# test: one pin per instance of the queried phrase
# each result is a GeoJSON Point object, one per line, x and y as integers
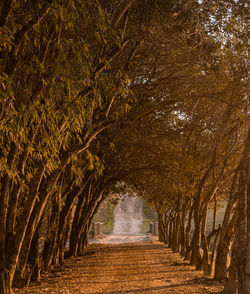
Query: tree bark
{"type": "Point", "coordinates": [224, 240]}
{"type": "Point", "coordinates": [230, 282]}
{"type": "Point", "coordinates": [243, 220]}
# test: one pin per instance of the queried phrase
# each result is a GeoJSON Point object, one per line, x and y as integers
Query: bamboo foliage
{"type": "Point", "coordinates": [94, 92]}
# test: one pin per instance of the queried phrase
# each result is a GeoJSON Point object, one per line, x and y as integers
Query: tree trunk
{"type": "Point", "coordinates": [187, 235]}
{"type": "Point", "coordinates": [195, 247]}
{"type": "Point", "coordinates": [247, 268]}
{"type": "Point", "coordinates": [224, 244]}
{"type": "Point", "coordinates": [243, 264]}
{"type": "Point", "coordinates": [230, 282]}
{"type": "Point", "coordinates": [161, 228]}
{"type": "Point", "coordinates": [15, 240]}
{"type": "Point", "coordinates": [64, 220]}
{"type": "Point", "coordinates": [89, 209]}
{"type": "Point", "coordinates": [6, 274]}
{"type": "Point", "coordinates": [182, 228]}
{"type": "Point", "coordinates": [81, 201]}
{"type": "Point", "coordinates": [223, 249]}
{"type": "Point", "coordinates": [34, 258]}
{"type": "Point", "coordinates": [170, 234]}
{"type": "Point", "coordinates": [6, 277]}
{"type": "Point", "coordinates": [51, 234]}
{"type": "Point", "coordinates": [205, 245]}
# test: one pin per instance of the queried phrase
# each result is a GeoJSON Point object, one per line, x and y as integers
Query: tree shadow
{"type": "Point", "coordinates": [148, 290]}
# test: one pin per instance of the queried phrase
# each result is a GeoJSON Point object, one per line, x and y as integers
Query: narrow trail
{"type": "Point", "coordinates": [143, 267]}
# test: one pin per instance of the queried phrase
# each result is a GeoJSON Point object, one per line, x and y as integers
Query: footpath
{"type": "Point", "coordinates": [143, 267]}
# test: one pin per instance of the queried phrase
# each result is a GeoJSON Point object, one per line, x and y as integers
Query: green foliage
{"type": "Point", "coordinates": [156, 99]}
{"type": "Point", "coordinates": [105, 215]}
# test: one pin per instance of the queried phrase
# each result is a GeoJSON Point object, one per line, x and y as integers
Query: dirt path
{"type": "Point", "coordinates": [128, 268]}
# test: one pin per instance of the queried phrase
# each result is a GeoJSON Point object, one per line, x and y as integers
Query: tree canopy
{"type": "Point", "coordinates": [153, 93]}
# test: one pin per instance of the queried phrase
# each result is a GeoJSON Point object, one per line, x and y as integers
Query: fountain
{"type": "Point", "coordinates": [128, 216]}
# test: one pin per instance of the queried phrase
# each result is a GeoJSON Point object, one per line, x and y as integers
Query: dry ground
{"type": "Point", "coordinates": [143, 267]}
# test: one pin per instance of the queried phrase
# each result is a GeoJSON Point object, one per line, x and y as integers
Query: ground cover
{"type": "Point", "coordinates": [142, 267]}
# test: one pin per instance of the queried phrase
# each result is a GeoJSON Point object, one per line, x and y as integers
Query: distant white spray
{"type": "Point", "coordinates": [128, 216]}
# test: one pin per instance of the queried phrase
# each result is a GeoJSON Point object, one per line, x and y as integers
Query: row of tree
{"type": "Point", "coordinates": [95, 92]}
{"type": "Point", "coordinates": [192, 170]}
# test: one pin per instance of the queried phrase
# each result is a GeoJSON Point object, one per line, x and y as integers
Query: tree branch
{"type": "Point", "coordinates": [125, 6]}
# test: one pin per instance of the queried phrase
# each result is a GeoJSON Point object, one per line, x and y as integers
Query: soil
{"type": "Point", "coordinates": [142, 267]}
